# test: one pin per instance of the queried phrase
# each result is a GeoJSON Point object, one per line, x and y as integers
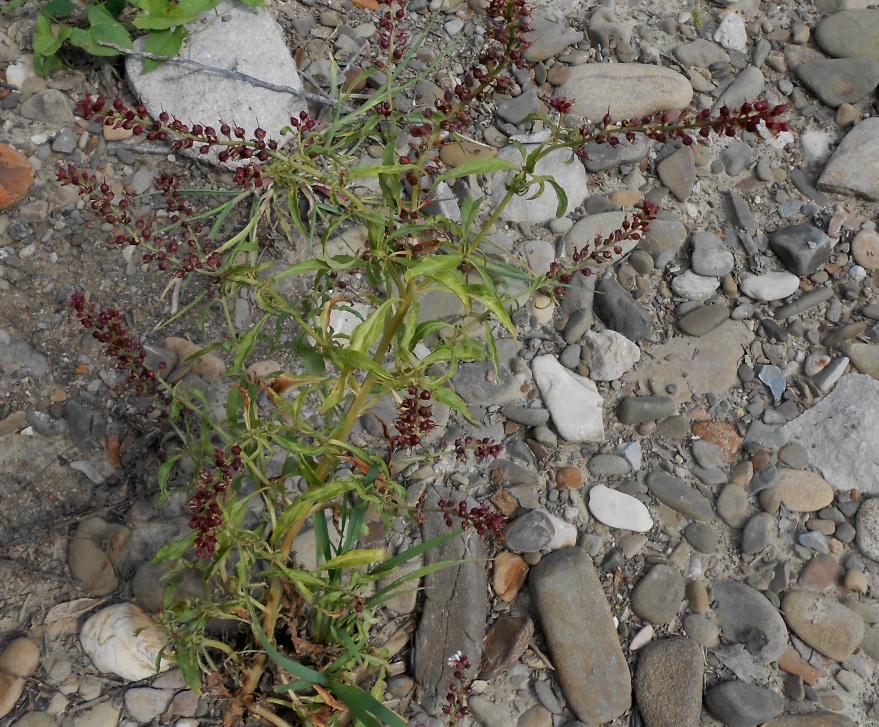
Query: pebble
{"type": "Point", "coordinates": [819, 573]}
{"type": "Point", "coordinates": [732, 506]}
{"type": "Point", "coordinates": [849, 33]}
{"type": "Point", "coordinates": [573, 401]}
{"type": "Point", "coordinates": [97, 551]}
{"type": "Point", "coordinates": [548, 39]}
{"type": "Point", "coordinates": [538, 529]}
{"type": "Point", "coordinates": [770, 286]}
{"type": "Point", "coordinates": [123, 640]}
{"type": "Point", "coordinates": [579, 631]}
{"type": "Point", "coordinates": [678, 173]}
{"type": "Point", "coordinates": [736, 157]}
{"type": "Point", "coordinates": [731, 32]}
{"type": "Point", "coordinates": [868, 528]}
{"type": "Point", "coordinates": [801, 248]}
{"type": "Point", "coordinates": [700, 53]}
{"type": "Point", "coordinates": [679, 496]}
{"type": "Point", "coordinates": [839, 81]}
{"type": "Point", "coordinates": [854, 167]}
{"type": "Point", "coordinates": [823, 623]}
{"type": "Point", "coordinates": [668, 683]}
{"type": "Point", "coordinates": [702, 630]}
{"type": "Point", "coordinates": [18, 662]}
{"type": "Point", "coordinates": [612, 355]}
{"type": "Point", "coordinates": [16, 176]}
{"type": "Point", "coordinates": [637, 409]}
{"type": "Point", "coordinates": [703, 319]}
{"type": "Point", "coordinates": [619, 510]}
{"type": "Point", "coordinates": [617, 309]}
{"type": "Point", "coordinates": [608, 465]}
{"type": "Point", "coordinates": [747, 86]}
{"type": "Point", "coordinates": [649, 89]}
{"type": "Point", "coordinates": [758, 533]}
{"type": "Point", "coordinates": [658, 595]}
{"type": "Point", "coordinates": [865, 248]}
{"type": "Point", "coordinates": [737, 704]}
{"type": "Point", "coordinates": [710, 257]}
{"type": "Point", "coordinates": [864, 357]}
{"type": "Point", "coordinates": [692, 286]}
{"type": "Point", "coordinates": [747, 617]}
{"type": "Point", "coordinates": [601, 157]}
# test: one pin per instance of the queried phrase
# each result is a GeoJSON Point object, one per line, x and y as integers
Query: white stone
{"type": "Point", "coordinates": [573, 401]}
{"type": "Point", "coordinates": [816, 145]}
{"type": "Point", "coordinates": [585, 231]}
{"type": "Point", "coordinates": [619, 510]}
{"type": "Point", "coordinates": [840, 434]}
{"type": "Point", "coordinates": [570, 176]}
{"type": "Point", "coordinates": [344, 322]}
{"type": "Point", "coordinates": [123, 640]}
{"type": "Point", "coordinates": [731, 33]}
{"type": "Point", "coordinates": [19, 72]}
{"type": "Point", "coordinates": [248, 40]}
{"type": "Point", "coordinates": [564, 533]}
{"type": "Point", "coordinates": [770, 286]}
{"type": "Point", "coordinates": [642, 638]}
{"type": "Point", "coordinates": [692, 286]}
{"type": "Point", "coordinates": [613, 355]}
{"type": "Point", "coordinates": [632, 452]}
{"type": "Point", "coordinates": [542, 308]}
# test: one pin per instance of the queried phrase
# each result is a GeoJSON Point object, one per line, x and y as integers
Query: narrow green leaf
{"type": "Point", "coordinates": [432, 265]}
{"type": "Point", "coordinates": [489, 165]}
{"type": "Point", "coordinates": [187, 660]}
{"type": "Point", "coordinates": [367, 334]}
{"type": "Point", "coordinates": [561, 194]}
{"type": "Point", "coordinates": [491, 347]}
{"type": "Point", "coordinates": [364, 706]}
{"type": "Point", "coordinates": [309, 676]}
{"type": "Point", "coordinates": [176, 549]}
{"type": "Point", "coordinates": [356, 558]}
{"type": "Point", "coordinates": [453, 280]}
{"type": "Point", "coordinates": [405, 556]}
{"type": "Point", "coordinates": [451, 399]}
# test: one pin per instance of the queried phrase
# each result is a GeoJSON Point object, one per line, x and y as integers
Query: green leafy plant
{"type": "Point", "coordinates": [101, 28]}
{"type": "Point", "coordinates": [696, 16]}
{"type": "Point", "coordinates": [279, 452]}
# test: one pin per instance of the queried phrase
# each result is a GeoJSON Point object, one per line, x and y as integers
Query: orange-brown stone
{"type": "Point", "coordinates": [16, 176]}
{"type": "Point", "coordinates": [722, 434]}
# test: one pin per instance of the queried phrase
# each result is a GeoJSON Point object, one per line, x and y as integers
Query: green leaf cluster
{"type": "Point", "coordinates": [107, 23]}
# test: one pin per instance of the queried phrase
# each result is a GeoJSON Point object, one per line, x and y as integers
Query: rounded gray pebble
{"type": "Point", "coordinates": [608, 465]}
{"type": "Point", "coordinates": [546, 696]}
{"type": "Point", "coordinates": [702, 537]}
{"type": "Point", "coordinates": [794, 455]}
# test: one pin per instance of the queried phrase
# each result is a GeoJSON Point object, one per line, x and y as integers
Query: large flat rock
{"type": "Point", "coordinates": [626, 90]}
{"type": "Point", "coordinates": [455, 606]}
{"type": "Point", "coordinates": [840, 434]}
{"type": "Point", "coordinates": [854, 167]}
{"type": "Point", "coordinates": [233, 37]}
{"type": "Point", "coordinates": [579, 630]}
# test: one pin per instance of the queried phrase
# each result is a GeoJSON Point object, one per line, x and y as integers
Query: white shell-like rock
{"type": "Point", "coordinates": [619, 510]}
{"type": "Point", "coordinates": [573, 401]}
{"type": "Point", "coordinates": [123, 640]}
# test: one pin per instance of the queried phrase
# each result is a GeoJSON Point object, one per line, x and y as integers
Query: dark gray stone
{"type": "Point", "coordinates": [668, 683]}
{"type": "Point", "coordinates": [658, 595]}
{"type": "Point", "coordinates": [702, 537]}
{"type": "Point", "coordinates": [529, 533]}
{"type": "Point", "coordinates": [616, 308]}
{"type": "Point", "coordinates": [526, 415]}
{"type": "Point", "coordinates": [757, 533]}
{"type": "Point", "coordinates": [736, 157]}
{"type": "Point", "coordinates": [737, 704]}
{"type": "Point", "coordinates": [608, 465]}
{"type": "Point", "coordinates": [678, 173]}
{"type": "Point", "coordinates": [25, 357]}
{"type": "Point", "coordinates": [50, 106]}
{"type": "Point", "coordinates": [637, 409]}
{"type": "Point", "coordinates": [515, 110]}
{"type": "Point", "coordinates": [455, 606]}
{"type": "Point", "coordinates": [703, 319]}
{"type": "Point", "coordinates": [601, 157]}
{"type": "Point", "coordinates": [747, 617]}
{"type": "Point", "coordinates": [679, 496]}
{"type": "Point", "coordinates": [802, 248]}
{"type": "Point", "coordinates": [850, 33]}
{"type": "Point", "coordinates": [839, 81]}
{"type": "Point", "coordinates": [580, 633]}
{"type": "Point", "coordinates": [87, 427]}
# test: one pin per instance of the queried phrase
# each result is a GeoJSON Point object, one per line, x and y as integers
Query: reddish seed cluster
{"type": "Point", "coordinates": [182, 254]}
{"type": "Point", "coordinates": [482, 448]}
{"type": "Point", "coordinates": [107, 327]}
{"type": "Point", "coordinates": [236, 146]}
{"type": "Point", "coordinates": [391, 36]}
{"type": "Point", "coordinates": [603, 249]}
{"type": "Point", "coordinates": [414, 419]}
{"type": "Point", "coordinates": [481, 519]}
{"type": "Point", "coordinates": [674, 125]}
{"type": "Point", "coordinates": [459, 689]}
{"type": "Point", "coordinates": [205, 505]}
